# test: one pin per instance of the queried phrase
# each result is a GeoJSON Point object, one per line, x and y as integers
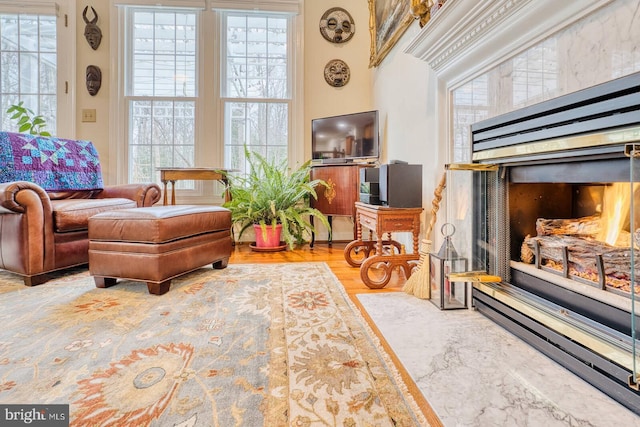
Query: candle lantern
{"type": "Point", "coordinates": [445, 294]}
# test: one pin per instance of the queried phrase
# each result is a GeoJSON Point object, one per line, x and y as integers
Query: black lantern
{"type": "Point", "coordinates": [445, 294]}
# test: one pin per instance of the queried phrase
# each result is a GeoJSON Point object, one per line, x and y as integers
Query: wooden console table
{"type": "Point", "coordinates": [377, 258]}
{"type": "Point", "coordinates": [206, 174]}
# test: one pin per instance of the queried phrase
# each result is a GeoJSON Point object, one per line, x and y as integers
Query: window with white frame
{"type": "Point", "coordinates": [161, 90]}
{"type": "Point", "coordinates": [28, 63]}
{"type": "Point", "coordinates": [256, 85]}
{"type": "Point", "coordinates": [201, 83]}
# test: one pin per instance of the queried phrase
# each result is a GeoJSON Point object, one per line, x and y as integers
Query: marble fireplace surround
{"type": "Point", "coordinates": [467, 37]}
{"type": "Point", "coordinates": [467, 40]}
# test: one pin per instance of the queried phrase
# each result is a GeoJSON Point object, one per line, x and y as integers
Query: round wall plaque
{"type": "Point", "coordinates": [337, 73]}
{"type": "Point", "coordinates": [337, 26]}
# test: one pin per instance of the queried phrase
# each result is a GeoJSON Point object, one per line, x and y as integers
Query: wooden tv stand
{"type": "Point", "coordinates": [343, 192]}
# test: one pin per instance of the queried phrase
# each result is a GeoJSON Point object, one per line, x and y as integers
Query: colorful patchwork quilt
{"type": "Point", "coordinates": [55, 164]}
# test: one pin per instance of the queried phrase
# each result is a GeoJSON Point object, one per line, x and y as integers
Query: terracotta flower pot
{"type": "Point", "coordinates": [272, 238]}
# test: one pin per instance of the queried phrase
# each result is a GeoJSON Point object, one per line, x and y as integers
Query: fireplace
{"type": "Point", "coordinates": [559, 160]}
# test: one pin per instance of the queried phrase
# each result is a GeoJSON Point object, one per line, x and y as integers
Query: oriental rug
{"type": "Point", "coordinates": [250, 345]}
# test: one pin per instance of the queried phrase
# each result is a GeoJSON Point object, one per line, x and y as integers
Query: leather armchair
{"type": "Point", "coordinates": [42, 231]}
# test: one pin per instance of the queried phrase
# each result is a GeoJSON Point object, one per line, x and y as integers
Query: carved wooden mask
{"type": "Point", "coordinates": [94, 79]}
{"type": "Point", "coordinates": [92, 32]}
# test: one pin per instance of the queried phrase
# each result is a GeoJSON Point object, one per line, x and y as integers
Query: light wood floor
{"type": "Point", "coordinates": [333, 255]}
{"type": "Point", "coordinates": [350, 278]}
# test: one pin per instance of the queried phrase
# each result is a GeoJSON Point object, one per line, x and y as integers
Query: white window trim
{"type": "Point", "coordinates": [118, 121]}
{"type": "Point", "coordinates": [120, 55]}
{"type": "Point", "coordinates": [196, 4]}
{"type": "Point", "coordinates": [295, 146]}
{"type": "Point", "coordinates": [66, 112]}
{"type": "Point", "coordinates": [296, 127]}
{"type": "Point", "coordinates": [30, 6]}
{"type": "Point", "coordinates": [66, 65]}
{"type": "Point", "coordinates": [258, 5]}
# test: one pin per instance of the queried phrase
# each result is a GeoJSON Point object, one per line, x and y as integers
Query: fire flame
{"type": "Point", "coordinates": [616, 202]}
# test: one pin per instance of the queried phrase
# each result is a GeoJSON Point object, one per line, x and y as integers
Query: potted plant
{"type": "Point", "coordinates": [28, 121]}
{"type": "Point", "coordinates": [270, 197]}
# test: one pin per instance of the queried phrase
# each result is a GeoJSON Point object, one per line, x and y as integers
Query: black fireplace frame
{"type": "Point", "coordinates": [535, 145]}
{"type": "Point", "coordinates": [592, 111]}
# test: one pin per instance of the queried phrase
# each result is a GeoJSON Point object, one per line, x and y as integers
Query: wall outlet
{"type": "Point", "coordinates": [89, 115]}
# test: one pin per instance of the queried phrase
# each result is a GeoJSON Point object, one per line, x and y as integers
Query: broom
{"type": "Point", "coordinates": [418, 283]}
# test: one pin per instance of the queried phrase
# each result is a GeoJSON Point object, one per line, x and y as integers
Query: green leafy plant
{"type": "Point", "coordinates": [28, 121]}
{"type": "Point", "coordinates": [270, 194]}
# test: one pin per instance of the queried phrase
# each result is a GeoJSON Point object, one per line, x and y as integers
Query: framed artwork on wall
{"type": "Point", "coordinates": [388, 20]}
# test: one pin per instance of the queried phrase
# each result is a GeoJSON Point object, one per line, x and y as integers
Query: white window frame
{"type": "Point", "coordinates": [209, 108]}
{"type": "Point", "coordinates": [66, 58]}
{"type": "Point", "coordinates": [291, 61]}
{"type": "Point", "coordinates": [195, 99]}
{"type": "Point", "coordinates": [120, 54]}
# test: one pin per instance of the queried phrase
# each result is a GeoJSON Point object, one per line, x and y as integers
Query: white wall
{"type": "Point", "coordinates": [97, 132]}
{"type": "Point", "coordinates": [405, 92]}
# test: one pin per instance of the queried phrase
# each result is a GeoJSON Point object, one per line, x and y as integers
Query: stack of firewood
{"type": "Point", "coordinates": [574, 241]}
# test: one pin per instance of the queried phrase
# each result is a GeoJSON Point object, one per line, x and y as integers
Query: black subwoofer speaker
{"type": "Point", "coordinates": [401, 185]}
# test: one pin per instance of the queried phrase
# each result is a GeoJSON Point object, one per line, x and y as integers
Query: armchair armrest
{"type": "Point", "coordinates": [142, 194]}
{"type": "Point", "coordinates": [17, 196]}
{"type": "Point", "coordinates": [26, 241]}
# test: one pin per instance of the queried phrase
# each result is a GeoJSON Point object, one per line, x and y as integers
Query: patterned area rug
{"type": "Point", "coordinates": [250, 345]}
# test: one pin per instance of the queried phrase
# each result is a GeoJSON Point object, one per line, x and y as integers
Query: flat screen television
{"type": "Point", "coordinates": [345, 138]}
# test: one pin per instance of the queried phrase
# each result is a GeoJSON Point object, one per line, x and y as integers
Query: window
{"type": "Point", "coordinates": [28, 64]}
{"type": "Point", "coordinates": [161, 91]}
{"type": "Point", "coordinates": [32, 67]}
{"type": "Point", "coordinates": [256, 86]}
{"type": "Point", "coordinates": [199, 83]}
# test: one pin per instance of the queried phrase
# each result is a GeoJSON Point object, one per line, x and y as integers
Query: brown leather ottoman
{"type": "Point", "coordinates": [156, 244]}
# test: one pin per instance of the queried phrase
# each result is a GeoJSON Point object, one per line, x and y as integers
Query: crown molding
{"type": "Point", "coordinates": [468, 36]}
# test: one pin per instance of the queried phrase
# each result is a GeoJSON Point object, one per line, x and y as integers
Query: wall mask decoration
{"type": "Point", "coordinates": [94, 79]}
{"type": "Point", "coordinates": [92, 32]}
{"type": "Point", "coordinates": [337, 26]}
{"type": "Point", "coordinates": [337, 73]}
